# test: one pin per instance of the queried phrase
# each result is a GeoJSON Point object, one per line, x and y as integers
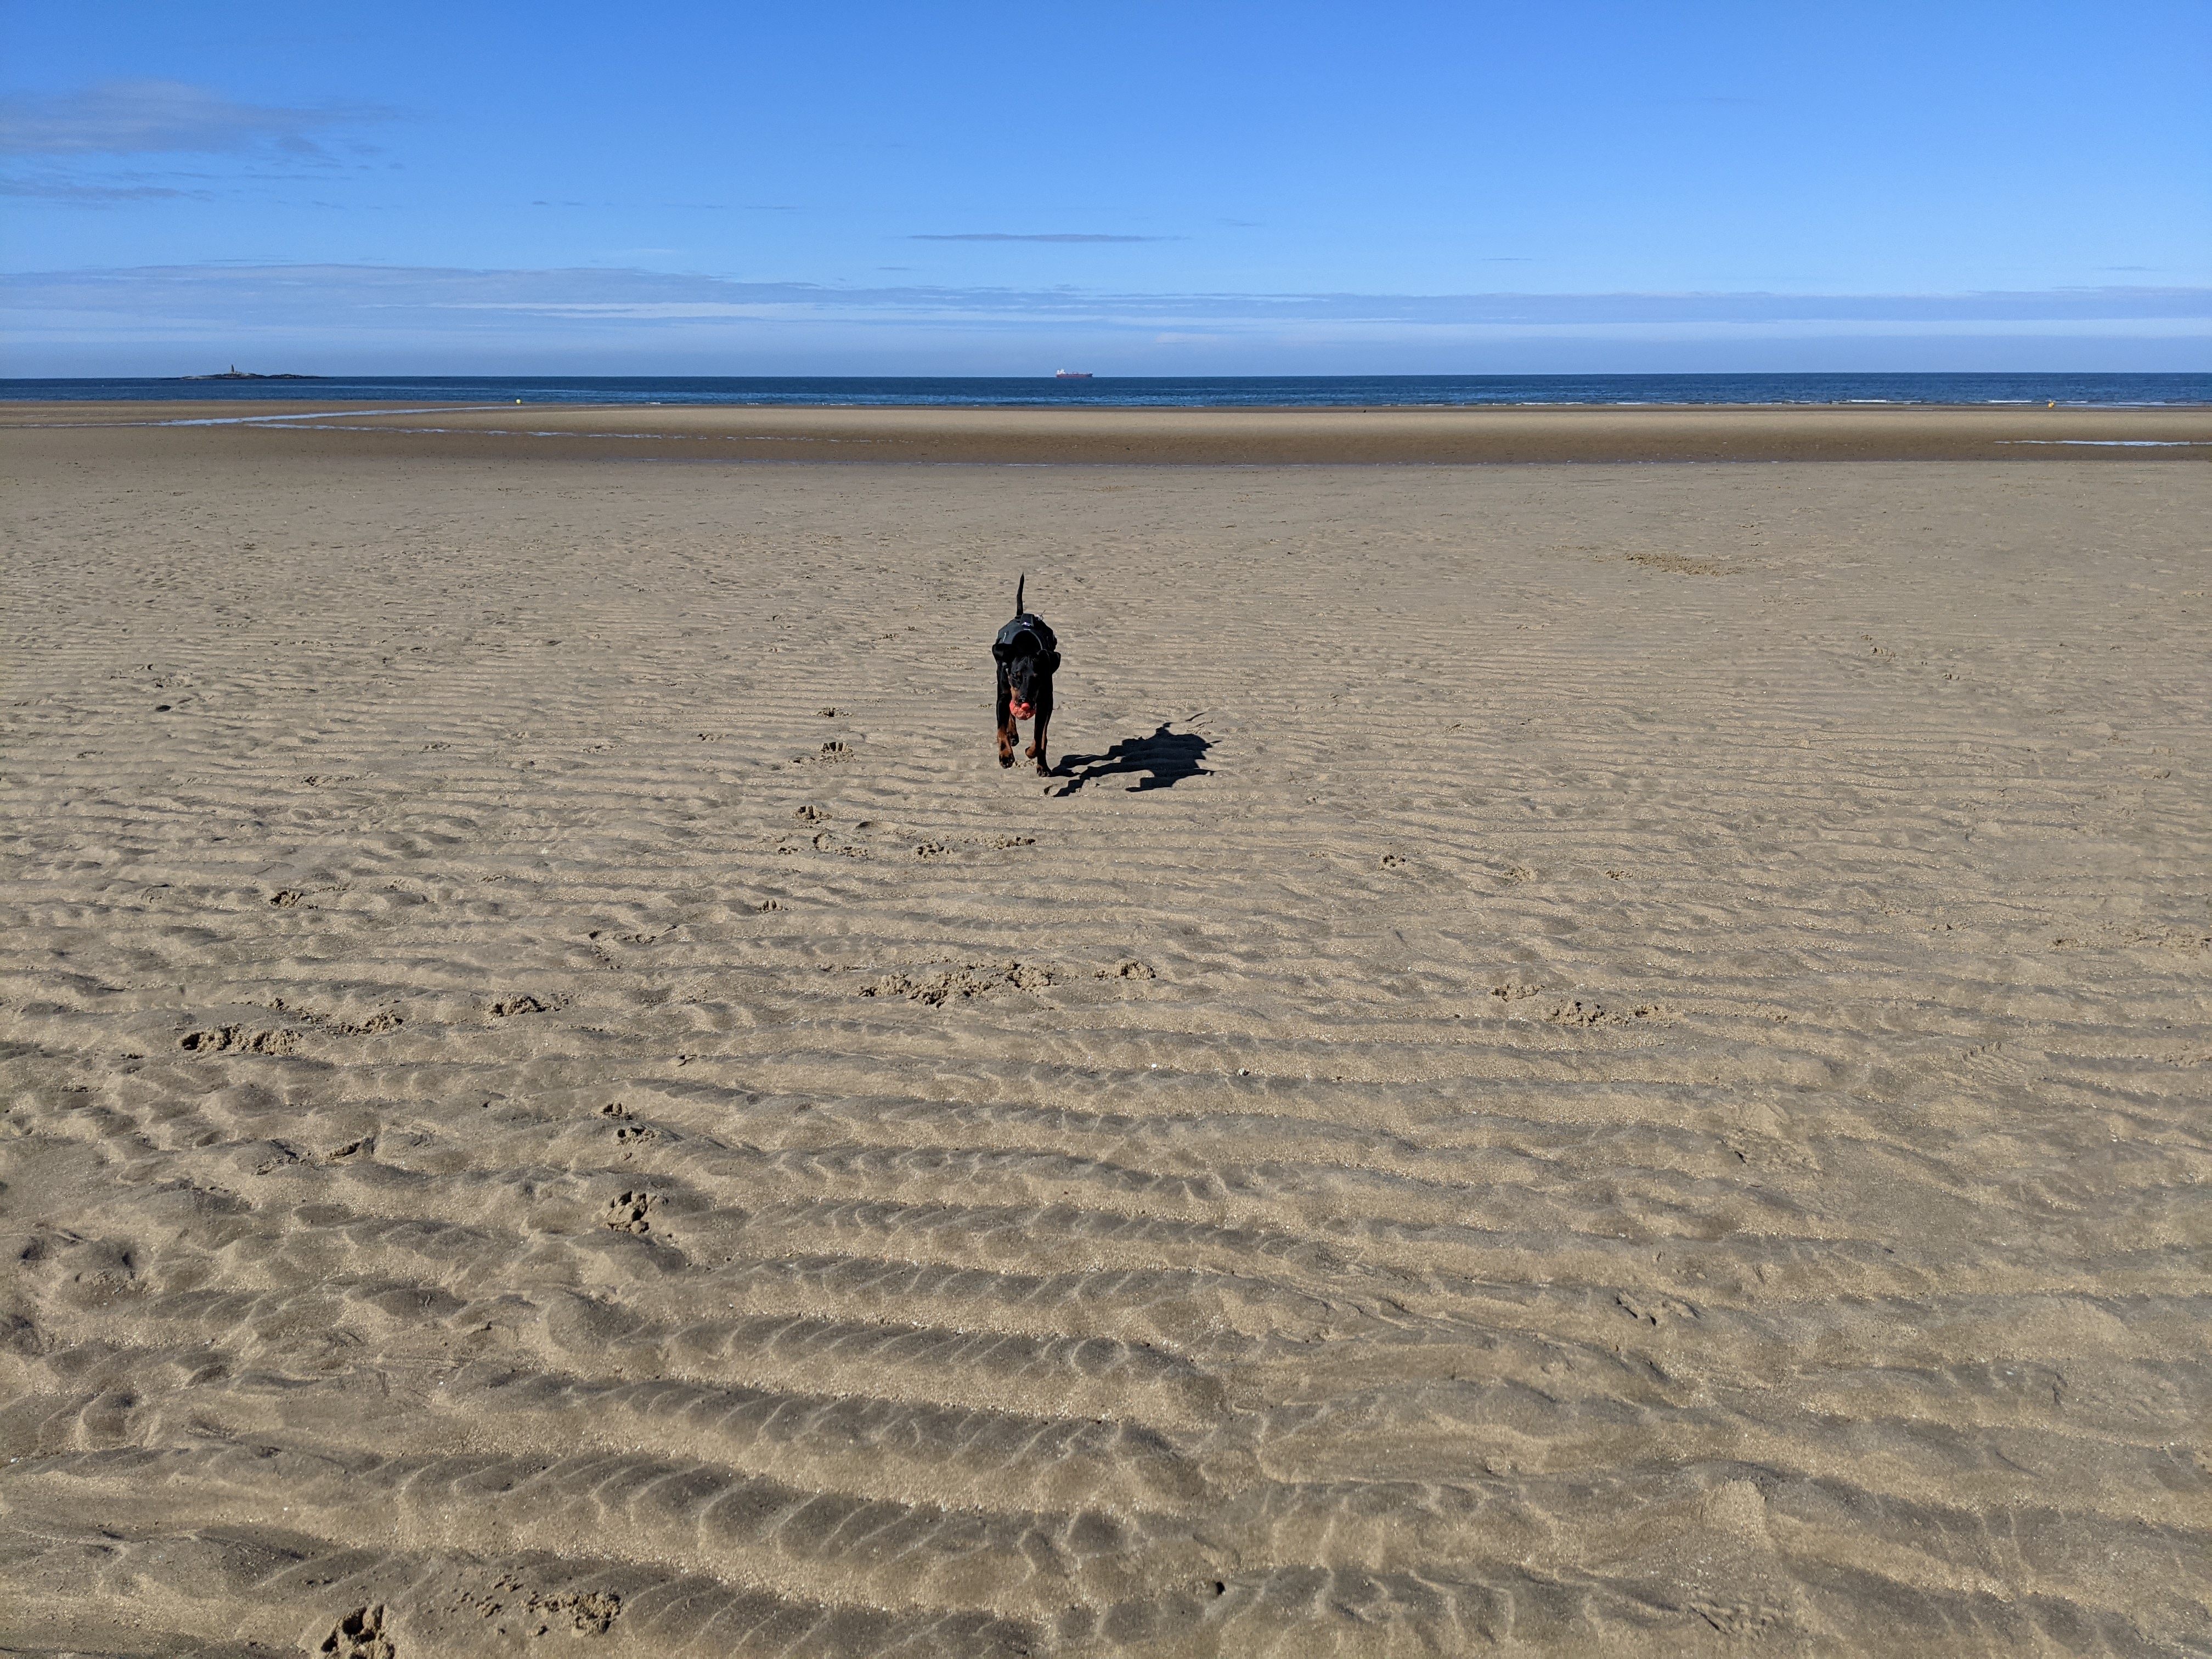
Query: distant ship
{"type": "Point", "coordinates": [235, 373]}
{"type": "Point", "coordinates": [1072, 375]}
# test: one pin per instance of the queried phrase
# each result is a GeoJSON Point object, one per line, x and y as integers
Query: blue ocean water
{"type": "Point", "coordinates": [1267, 391]}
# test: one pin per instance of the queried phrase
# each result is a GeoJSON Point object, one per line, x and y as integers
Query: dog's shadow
{"type": "Point", "coordinates": [1165, 758]}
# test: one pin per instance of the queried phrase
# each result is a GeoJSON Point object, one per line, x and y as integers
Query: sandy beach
{"type": "Point", "coordinates": [1597, 1059]}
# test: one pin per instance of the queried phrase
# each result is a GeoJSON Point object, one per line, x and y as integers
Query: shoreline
{"type": "Point", "coordinates": [1375, 435]}
{"type": "Point", "coordinates": [1011, 406]}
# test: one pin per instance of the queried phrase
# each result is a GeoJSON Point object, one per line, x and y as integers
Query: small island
{"type": "Point", "coordinates": [235, 373]}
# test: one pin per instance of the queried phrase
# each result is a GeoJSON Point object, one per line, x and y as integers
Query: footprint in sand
{"type": "Point", "coordinates": [236, 1039]}
{"type": "Point", "coordinates": [590, 1613]}
{"type": "Point", "coordinates": [1579, 1012]}
{"type": "Point", "coordinates": [628, 1213]}
{"type": "Point", "coordinates": [360, 1635]}
{"type": "Point", "coordinates": [959, 984]}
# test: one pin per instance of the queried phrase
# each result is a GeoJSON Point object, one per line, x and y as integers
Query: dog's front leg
{"type": "Point", "coordinates": [1007, 734]}
{"type": "Point", "coordinates": [1044, 720]}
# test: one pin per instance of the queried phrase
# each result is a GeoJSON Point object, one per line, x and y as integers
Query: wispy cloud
{"type": "Point", "coordinates": [1027, 236]}
{"type": "Point", "coordinates": [676, 207]}
{"type": "Point", "coordinates": [435, 313]}
{"type": "Point", "coordinates": [78, 193]}
{"type": "Point", "coordinates": [149, 117]}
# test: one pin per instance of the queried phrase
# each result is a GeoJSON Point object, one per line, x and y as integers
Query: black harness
{"type": "Point", "coordinates": [1028, 636]}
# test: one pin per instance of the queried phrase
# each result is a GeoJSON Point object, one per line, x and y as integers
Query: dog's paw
{"type": "Point", "coordinates": [1005, 758]}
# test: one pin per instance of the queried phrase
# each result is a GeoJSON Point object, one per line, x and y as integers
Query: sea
{"type": "Point", "coordinates": [1145, 392]}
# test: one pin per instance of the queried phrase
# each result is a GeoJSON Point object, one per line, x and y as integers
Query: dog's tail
{"type": "Point", "coordinates": [1021, 583]}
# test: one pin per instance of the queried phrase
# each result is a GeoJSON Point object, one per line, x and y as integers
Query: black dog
{"type": "Point", "coordinates": [1028, 654]}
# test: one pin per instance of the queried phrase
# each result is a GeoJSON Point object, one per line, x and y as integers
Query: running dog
{"type": "Point", "coordinates": [1027, 655]}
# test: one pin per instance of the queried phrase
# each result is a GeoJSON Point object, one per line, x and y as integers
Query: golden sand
{"type": "Point", "coordinates": [1598, 1059]}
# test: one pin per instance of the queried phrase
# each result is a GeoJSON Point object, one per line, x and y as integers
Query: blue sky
{"type": "Point", "coordinates": [1130, 188]}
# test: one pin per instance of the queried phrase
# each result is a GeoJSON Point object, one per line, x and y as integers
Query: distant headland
{"type": "Point", "coordinates": [235, 373]}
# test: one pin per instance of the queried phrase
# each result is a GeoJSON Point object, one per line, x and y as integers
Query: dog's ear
{"type": "Point", "coordinates": [1052, 662]}
{"type": "Point", "coordinates": [999, 650]}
